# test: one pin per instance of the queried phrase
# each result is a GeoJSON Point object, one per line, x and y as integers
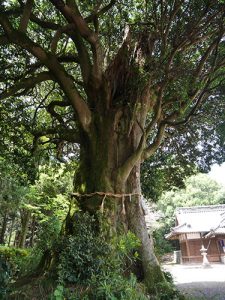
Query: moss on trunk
{"type": "Point", "coordinates": [101, 157]}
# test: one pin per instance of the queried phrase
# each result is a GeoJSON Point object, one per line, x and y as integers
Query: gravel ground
{"type": "Point", "coordinates": [198, 282]}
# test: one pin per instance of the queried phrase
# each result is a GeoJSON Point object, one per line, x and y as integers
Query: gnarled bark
{"type": "Point", "coordinates": [102, 156]}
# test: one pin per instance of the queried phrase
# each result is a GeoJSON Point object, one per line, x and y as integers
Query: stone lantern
{"type": "Point", "coordinates": [205, 262]}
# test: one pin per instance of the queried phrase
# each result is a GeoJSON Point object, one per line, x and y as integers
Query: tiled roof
{"type": "Point", "coordinates": [201, 209]}
{"type": "Point", "coordinates": [204, 219]}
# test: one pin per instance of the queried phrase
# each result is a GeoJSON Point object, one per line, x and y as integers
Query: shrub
{"type": "Point", "coordinates": [11, 253]}
{"type": "Point", "coordinates": [83, 252]}
{"type": "Point", "coordinates": [11, 261]}
{"type": "Point", "coordinates": [49, 232]}
{"type": "Point", "coordinates": [162, 246]}
{"type": "Point", "coordinates": [113, 285]}
{"type": "Point", "coordinates": [14, 257]}
{"type": "Point", "coordinates": [167, 290]}
{"type": "Point", "coordinates": [97, 269]}
{"type": "Point", "coordinates": [5, 275]}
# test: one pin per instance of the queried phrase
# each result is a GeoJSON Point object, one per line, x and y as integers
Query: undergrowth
{"type": "Point", "coordinates": [90, 267]}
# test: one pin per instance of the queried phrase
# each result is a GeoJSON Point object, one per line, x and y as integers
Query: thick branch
{"type": "Point", "coordinates": [71, 12]}
{"type": "Point", "coordinates": [56, 135]}
{"type": "Point", "coordinates": [186, 119]}
{"type": "Point", "coordinates": [68, 58]}
{"type": "Point", "coordinates": [64, 134]}
{"type": "Point", "coordinates": [157, 115]}
{"type": "Point", "coordinates": [58, 35]}
{"type": "Point", "coordinates": [174, 10]}
{"type": "Point", "coordinates": [125, 169]}
{"type": "Point", "coordinates": [100, 12]}
{"type": "Point", "coordinates": [26, 84]}
{"type": "Point", "coordinates": [51, 109]}
{"type": "Point", "coordinates": [84, 59]}
{"type": "Point", "coordinates": [44, 24]}
{"type": "Point", "coordinates": [156, 143]}
{"type": "Point", "coordinates": [15, 12]}
{"type": "Point", "coordinates": [72, 15]}
{"type": "Point", "coordinates": [204, 58]}
{"type": "Point", "coordinates": [26, 15]}
{"type": "Point", "coordinates": [63, 59]}
{"type": "Point", "coordinates": [50, 61]}
{"type": "Point", "coordinates": [42, 101]}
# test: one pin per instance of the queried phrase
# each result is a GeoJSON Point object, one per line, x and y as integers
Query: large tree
{"type": "Point", "coordinates": [116, 77]}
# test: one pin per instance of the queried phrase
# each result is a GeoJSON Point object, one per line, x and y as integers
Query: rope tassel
{"type": "Point", "coordinates": [102, 205]}
{"type": "Point", "coordinates": [123, 206]}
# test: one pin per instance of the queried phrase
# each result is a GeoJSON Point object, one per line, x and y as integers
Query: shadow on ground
{"type": "Point", "coordinates": [212, 290]}
{"type": "Point", "coordinates": [199, 283]}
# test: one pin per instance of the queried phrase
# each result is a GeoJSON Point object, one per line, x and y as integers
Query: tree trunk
{"type": "Point", "coordinates": [137, 224]}
{"type": "Point", "coordinates": [11, 230]}
{"type": "Point", "coordinates": [3, 230]}
{"type": "Point", "coordinates": [102, 154]}
{"type": "Point", "coordinates": [25, 218]}
{"type": "Point", "coordinates": [17, 238]}
{"type": "Point", "coordinates": [33, 226]}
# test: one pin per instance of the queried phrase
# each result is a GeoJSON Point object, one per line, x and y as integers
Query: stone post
{"type": "Point", "coordinates": [205, 262]}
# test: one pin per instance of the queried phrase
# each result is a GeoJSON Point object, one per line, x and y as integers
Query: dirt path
{"type": "Point", "coordinates": [198, 282]}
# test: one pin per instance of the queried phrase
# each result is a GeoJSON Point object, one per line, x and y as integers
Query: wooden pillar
{"type": "Point", "coordinates": [218, 248]}
{"type": "Point", "coordinates": [187, 246]}
{"type": "Point", "coordinates": [201, 239]}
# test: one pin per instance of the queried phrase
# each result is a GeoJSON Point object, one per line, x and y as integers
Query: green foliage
{"type": "Point", "coordinates": [161, 245]}
{"type": "Point", "coordinates": [5, 275]}
{"type": "Point", "coordinates": [14, 256]}
{"type": "Point", "coordinates": [51, 190]}
{"type": "Point", "coordinates": [48, 200]}
{"type": "Point", "coordinates": [98, 269]}
{"type": "Point", "coordinates": [49, 233]}
{"type": "Point", "coordinates": [11, 252]}
{"type": "Point", "coordinates": [162, 172]}
{"type": "Point", "coordinates": [199, 190]}
{"type": "Point", "coordinates": [11, 263]}
{"type": "Point", "coordinates": [113, 286]}
{"type": "Point", "coordinates": [125, 245]}
{"type": "Point", "coordinates": [167, 290]}
{"type": "Point", "coordinates": [82, 252]}
{"type": "Point", "coordinates": [59, 293]}
{"type": "Point", "coordinates": [11, 182]}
